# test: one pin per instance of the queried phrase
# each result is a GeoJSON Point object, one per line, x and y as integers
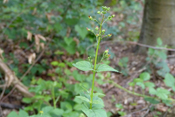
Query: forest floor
{"type": "Point", "coordinates": [134, 106]}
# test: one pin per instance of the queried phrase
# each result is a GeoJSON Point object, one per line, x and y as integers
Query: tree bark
{"type": "Point", "coordinates": [158, 21]}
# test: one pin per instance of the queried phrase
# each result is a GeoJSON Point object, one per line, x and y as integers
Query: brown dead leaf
{"type": "Point", "coordinates": [42, 46]}
{"type": "Point", "coordinates": [49, 15]}
{"type": "Point", "coordinates": [1, 52]}
{"type": "Point", "coordinates": [5, 1]}
{"type": "Point", "coordinates": [41, 37]}
{"type": "Point", "coordinates": [76, 40]}
{"type": "Point", "coordinates": [68, 32]}
{"type": "Point", "coordinates": [29, 36]}
{"type": "Point", "coordinates": [37, 43]}
{"type": "Point", "coordinates": [31, 58]}
{"type": "Point", "coordinates": [34, 11]}
{"type": "Point", "coordinates": [9, 78]}
{"type": "Point", "coordinates": [161, 108]}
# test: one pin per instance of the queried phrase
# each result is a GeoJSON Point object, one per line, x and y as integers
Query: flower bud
{"type": "Point", "coordinates": [104, 12]}
{"type": "Point", "coordinates": [103, 31]}
{"type": "Point", "coordinates": [97, 35]}
{"type": "Point", "coordinates": [98, 12]}
{"type": "Point", "coordinates": [113, 16]}
{"type": "Point", "coordinates": [96, 28]}
{"type": "Point", "coordinates": [90, 17]}
{"type": "Point", "coordinates": [110, 18]}
{"type": "Point", "coordinates": [88, 29]}
{"type": "Point", "coordinates": [106, 51]}
{"type": "Point", "coordinates": [104, 8]}
{"type": "Point", "coordinates": [108, 8]}
{"type": "Point", "coordinates": [109, 35]}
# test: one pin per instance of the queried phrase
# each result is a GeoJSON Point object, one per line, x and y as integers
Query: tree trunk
{"type": "Point", "coordinates": [158, 21]}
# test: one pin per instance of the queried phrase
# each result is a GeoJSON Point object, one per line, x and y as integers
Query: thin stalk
{"type": "Point", "coordinates": [94, 71]}
{"type": "Point", "coordinates": [134, 93]}
{"type": "Point", "coordinates": [53, 96]}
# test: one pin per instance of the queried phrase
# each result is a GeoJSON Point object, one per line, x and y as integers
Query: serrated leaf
{"type": "Point", "coordinates": [13, 114]}
{"type": "Point", "coordinates": [23, 113]}
{"type": "Point", "coordinates": [94, 112]}
{"type": "Point", "coordinates": [99, 94]}
{"type": "Point", "coordinates": [162, 93]}
{"type": "Point", "coordinates": [104, 67]}
{"type": "Point", "coordinates": [57, 111]}
{"type": "Point", "coordinates": [145, 76]}
{"type": "Point", "coordinates": [152, 100]}
{"type": "Point", "coordinates": [83, 98]}
{"type": "Point", "coordinates": [81, 31]}
{"type": "Point", "coordinates": [152, 91]}
{"type": "Point", "coordinates": [83, 65]}
{"type": "Point", "coordinates": [149, 84]}
{"type": "Point", "coordinates": [68, 41]}
{"type": "Point", "coordinates": [169, 80]}
{"type": "Point", "coordinates": [141, 84]}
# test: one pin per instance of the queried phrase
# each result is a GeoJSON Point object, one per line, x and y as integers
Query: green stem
{"type": "Point", "coordinates": [136, 94]}
{"type": "Point", "coordinates": [53, 96]}
{"type": "Point", "coordinates": [94, 71]}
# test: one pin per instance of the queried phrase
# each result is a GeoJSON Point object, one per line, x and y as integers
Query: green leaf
{"type": "Point", "coordinates": [137, 80]}
{"type": "Point", "coordinates": [57, 111]}
{"type": "Point", "coordinates": [141, 84]}
{"type": "Point", "coordinates": [82, 31]}
{"type": "Point", "coordinates": [68, 40]}
{"type": "Point", "coordinates": [119, 106]}
{"type": "Point", "coordinates": [83, 65]}
{"type": "Point", "coordinates": [152, 91]}
{"type": "Point", "coordinates": [27, 100]}
{"type": "Point", "coordinates": [152, 100]}
{"type": "Point", "coordinates": [104, 67]}
{"type": "Point", "coordinates": [169, 80]}
{"type": "Point", "coordinates": [13, 114]}
{"type": "Point", "coordinates": [94, 112]}
{"type": "Point", "coordinates": [22, 113]}
{"type": "Point", "coordinates": [149, 84]}
{"type": "Point", "coordinates": [145, 76]}
{"type": "Point", "coordinates": [162, 93]}
{"type": "Point", "coordinates": [99, 94]}
{"type": "Point", "coordinates": [121, 113]}
{"type": "Point", "coordinates": [47, 109]}
{"type": "Point", "coordinates": [54, 63]}
{"type": "Point", "coordinates": [83, 98]}
{"type": "Point", "coordinates": [132, 84]}
{"type": "Point", "coordinates": [159, 41]}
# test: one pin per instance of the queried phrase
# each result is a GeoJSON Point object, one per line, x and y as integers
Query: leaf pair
{"type": "Point", "coordinates": [87, 66]}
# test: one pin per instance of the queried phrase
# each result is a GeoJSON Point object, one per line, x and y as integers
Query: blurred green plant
{"type": "Point", "coordinates": [158, 59]}
{"type": "Point", "coordinates": [123, 63]}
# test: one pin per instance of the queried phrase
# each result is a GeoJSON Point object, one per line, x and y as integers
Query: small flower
{"type": "Point", "coordinates": [90, 17]}
{"type": "Point", "coordinates": [88, 29]}
{"type": "Point", "coordinates": [97, 35]}
{"type": "Point", "coordinates": [103, 30]}
{"type": "Point", "coordinates": [96, 28]}
{"type": "Point", "coordinates": [109, 35]}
